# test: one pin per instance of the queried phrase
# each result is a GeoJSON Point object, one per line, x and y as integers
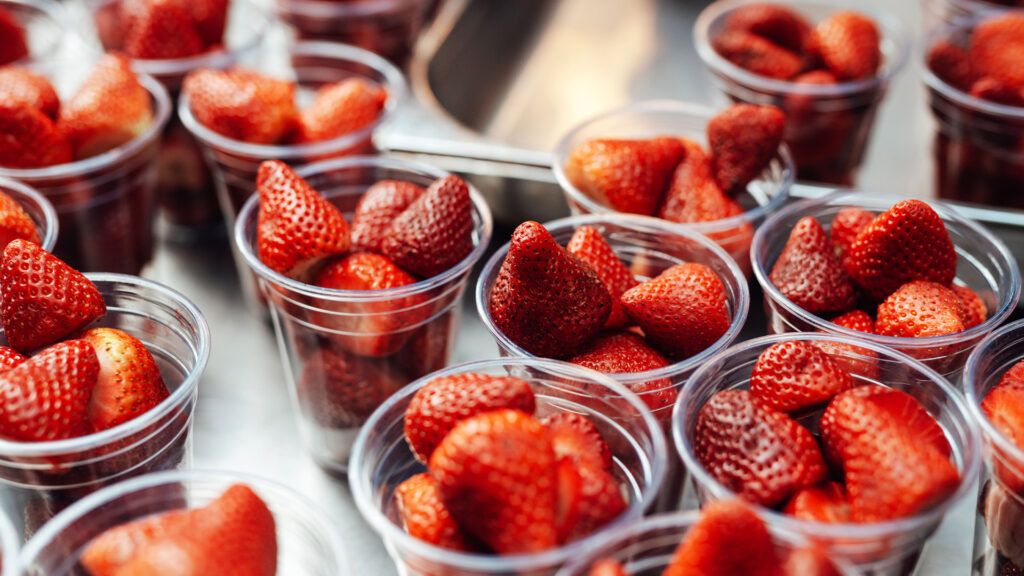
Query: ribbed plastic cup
{"type": "Point", "coordinates": [381, 460]}
{"type": "Point", "coordinates": [37, 207]}
{"type": "Point", "coordinates": [45, 25]}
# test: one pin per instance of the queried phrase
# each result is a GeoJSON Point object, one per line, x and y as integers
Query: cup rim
{"type": "Point", "coordinates": [393, 82]}
{"type": "Point", "coordinates": [51, 224]}
{"type": "Point", "coordinates": [328, 9]}
{"type": "Point", "coordinates": [9, 545]}
{"type": "Point", "coordinates": [181, 304]}
{"type": "Point", "coordinates": [642, 224]}
{"type": "Point", "coordinates": [56, 13]}
{"type": "Point", "coordinates": [969, 473]}
{"type": "Point", "coordinates": [680, 108]}
{"type": "Point", "coordinates": [947, 212]}
{"type": "Point", "coordinates": [251, 207]}
{"type": "Point", "coordinates": [391, 532]}
{"type": "Point", "coordinates": [971, 381]}
{"type": "Point", "coordinates": [893, 33]}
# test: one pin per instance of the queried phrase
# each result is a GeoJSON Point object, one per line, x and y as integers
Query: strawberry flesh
{"type": "Point", "coordinates": [826, 503]}
{"type": "Point", "coordinates": [424, 516]}
{"type": "Point", "coordinates": [15, 223]}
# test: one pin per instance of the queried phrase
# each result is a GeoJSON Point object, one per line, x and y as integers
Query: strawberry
{"type": "Point", "coordinates": [9, 358]}
{"type": "Point", "coordinates": [625, 175]}
{"type": "Point", "coordinates": [825, 503]}
{"type": "Point", "coordinates": [210, 18]}
{"type": "Point", "coordinates": [435, 232]}
{"type": "Point", "coordinates": [42, 299]}
{"type": "Point", "coordinates": [846, 226]}
{"type": "Point", "coordinates": [907, 242]}
{"type": "Point", "coordinates": [31, 140]}
{"type": "Point", "coordinates": [109, 109]}
{"type": "Point", "coordinates": [858, 320]}
{"type": "Point", "coordinates": [997, 48]}
{"type": "Point", "coordinates": [729, 539]}
{"type": "Point", "coordinates": [428, 347]}
{"type": "Point", "coordinates": [791, 376]}
{"type": "Point", "coordinates": [424, 516]}
{"type": "Point", "coordinates": [1003, 405]}
{"type": "Point", "coordinates": [693, 194]}
{"type": "Point", "coordinates": [809, 561]}
{"type": "Point", "coordinates": [772, 22]}
{"type": "Point", "coordinates": [339, 390]}
{"type": "Point", "coordinates": [592, 249]}
{"type": "Point", "coordinates": [735, 435]}
{"type": "Point", "coordinates": [855, 360]}
{"type": "Point", "coordinates": [952, 65]}
{"type": "Point", "coordinates": [757, 55]}
{"type": "Point", "coordinates": [15, 223]}
{"type": "Point", "coordinates": [607, 567]}
{"type": "Point", "coordinates": [13, 44]}
{"type": "Point", "coordinates": [241, 104]}
{"type": "Point", "coordinates": [626, 352]}
{"type": "Point", "coordinates": [497, 476]}
{"type": "Point", "coordinates": [849, 44]}
{"type": "Point", "coordinates": [24, 86]}
{"type": "Point", "coordinates": [339, 109]}
{"type": "Point", "coordinates": [297, 226]}
{"type": "Point", "coordinates": [377, 208]}
{"type": "Point", "coordinates": [129, 383]}
{"type": "Point", "coordinates": [994, 90]}
{"type": "Point", "coordinates": [544, 299]}
{"type": "Point", "coordinates": [575, 437]}
{"type": "Point", "coordinates": [889, 454]}
{"type": "Point", "coordinates": [809, 273]}
{"type": "Point", "coordinates": [597, 501]}
{"type": "Point", "coordinates": [973, 308]}
{"type": "Point", "coordinates": [920, 309]}
{"type": "Point", "coordinates": [112, 549]}
{"type": "Point", "coordinates": [743, 139]}
{"type": "Point", "coordinates": [159, 30]}
{"type": "Point", "coordinates": [47, 396]}
{"type": "Point", "coordinates": [446, 400]}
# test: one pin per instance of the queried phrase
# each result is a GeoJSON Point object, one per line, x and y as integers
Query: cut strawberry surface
{"type": "Point", "coordinates": [15, 223]}
{"type": "Point", "coordinates": [626, 175]}
{"type": "Point", "coordinates": [920, 309]}
{"type": "Point", "coordinates": [20, 85]}
{"type": "Point", "coordinates": [728, 540]}
{"type": "Point", "coordinates": [242, 104]}
{"type": "Point", "coordinates": [377, 208]}
{"type": "Point", "coordinates": [129, 382]}
{"type": "Point", "coordinates": [424, 515]}
{"type": "Point", "coordinates": [575, 437]}
{"type": "Point", "coordinates": [743, 139]}
{"type": "Point", "coordinates": [849, 45]}
{"type": "Point", "coordinates": [808, 272]}
{"type": "Point", "coordinates": [792, 376]}
{"type": "Point", "coordinates": [341, 108]}
{"type": "Point", "coordinates": [13, 43]}
{"type": "Point", "coordinates": [826, 503]}
{"type": "Point", "coordinates": [592, 249]}
{"type": "Point", "coordinates": [598, 502]}
{"type": "Point", "coordinates": [846, 226]}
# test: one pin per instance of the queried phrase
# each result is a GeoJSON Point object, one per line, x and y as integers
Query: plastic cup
{"type": "Point", "coordinates": [346, 351]}
{"type": "Point", "coordinates": [828, 126]}
{"type": "Point", "coordinates": [650, 119]}
{"type": "Point", "coordinates": [938, 13]}
{"type": "Point", "coordinates": [37, 207]}
{"type": "Point", "coordinates": [883, 548]}
{"type": "Point", "coordinates": [42, 478]}
{"type": "Point", "coordinates": [44, 24]}
{"type": "Point", "coordinates": [307, 540]}
{"type": "Point", "coordinates": [9, 545]}
{"type": "Point", "coordinates": [381, 460]}
{"type": "Point", "coordinates": [983, 263]}
{"type": "Point", "coordinates": [998, 548]}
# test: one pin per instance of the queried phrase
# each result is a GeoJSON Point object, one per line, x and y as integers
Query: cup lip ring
{"type": "Point", "coordinates": [327, 9]}
{"type": "Point", "coordinates": [393, 81]}
{"type": "Point", "coordinates": [58, 15]}
{"type": "Point", "coordinates": [893, 31]}
{"type": "Point", "coordinates": [391, 532]}
{"type": "Point", "coordinates": [50, 222]}
{"type": "Point", "coordinates": [971, 379]}
{"type": "Point", "coordinates": [968, 475]}
{"type": "Point", "coordinates": [188, 387]}
{"type": "Point", "coordinates": [946, 211]}
{"type": "Point", "coordinates": [681, 108]}
{"type": "Point", "coordinates": [52, 529]}
{"type": "Point", "coordinates": [642, 224]}
{"type": "Point", "coordinates": [9, 546]}
{"type": "Point", "coordinates": [251, 206]}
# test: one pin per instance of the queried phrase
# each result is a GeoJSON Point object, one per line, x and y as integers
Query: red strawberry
{"type": "Point", "coordinates": [9, 358]}
{"type": "Point", "coordinates": [907, 242]}
{"type": "Point", "coordinates": [607, 567]}
{"type": "Point", "coordinates": [855, 360]}
{"type": "Point", "coordinates": [849, 44]}
{"type": "Point", "coordinates": [920, 309]}
{"type": "Point", "coordinates": [159, 29]}
{"type": "Point", "coordinates": [994, 90]}
{"type": "Point", "coordinates": [427, 349]}
{"type": "Point", "coordinates": [575, 437]}
{"type": "Point", "coordinates": [809, 273]}
{"type": "Point", "coordinates": [42, 299]}
{"type": "Point", "coordinates": [592, 249]}
{"type": "Point", "coordinates": [997, 48]}
{"type": "Point", "coordinates": [952, 65]}
{"type": "Point", "coordinates": [241, 104]}
{"type": "Point", "coordinates": [625, 175]}
{"type": "Point", "coordinates": [339, 390]}
{"type": "Point", "coordinates": [13, 44]}
{"type": "Point", "coordinates": [974, 310]}
{"type": "Point", "coordinates": [210, 17]}
{"type": "Point", "coordinates": [858, 320]}
{"type": "Point", "coordinates": [31, 139]}
{"type": "Point", "coordinates": [341, 108]}
{"type": "Point", "coordinates": [597, 501]}
{"type": "Point", "coordinates": [728, 540]}
{"type": "Point", "coordinates": [826, 503]}
{"type": "Point", "coordinates": [743, 139]}
{"type": "Point", "coordinates": [546, 300]}
{"type": "Point", "coordinates": [114, 548]}
{"type": "Point", "coordinates": [497, 476]}
{"type": "Point", "coordinates": [129, 383]}
{"type": "Point", "coordinates": [446, 400]}
{"type": "Point", "coordinates": [424, 516]}
{"type": "Point", "coordinates": [1004, 408]}
{"type": "Point", "coordinates": [693, 194]}
{"type": "Point", "coordinates": [47, 396]}
{"type": "Point", "coordinates": [757, 55]}
{"type": "Point", "coordinates": [625, 352]}
{"type": "Point", "coordinates": [791, 376]}
{"type": "Point", "coordinates": [809, 562]}
{"type": "Point", "coordinates": [297, 226]}
{"type": "Point", "coordinates": [682, 311]}
{"type": "Point", "coordinates": [846, 226]}
{"type": "Point", "coordinates": [24, 86]}
{"type": "Point", "coordinates": [735, 435]}
{"type": "Point", "coordinates": [15, 223]}
{"type": "Point", "coordinates": [772, 22]}
{"type": "Point", "coordinates": [377, 208]}
{"type": "Point", "coordinates": [435, 232]}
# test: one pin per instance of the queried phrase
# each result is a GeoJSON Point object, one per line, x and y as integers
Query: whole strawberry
{"type": "Point", "coordinates": [242, 104]}
{"type": "Point", "coordinates": [743, 139]}
{"type": "Point", "coordinates": [846, 226]}
{"type": "Point", "coordinates": [825, 503]}
{"type": "Point", "coordinates": [808, 272]}
{"type": "Point", "coordinates": [339, 109]}
{"type": "Point", "coordinates": [973, 308]}
{"type": "Point", "coordinates": [772, 22]}
{"type": "Point", "coordinates": [589, 246]}
{"type": "Point", "coordinates": [339, 390]}
{"type": "Point", "coordinates": [791, 376]}
{"type": "Point", "coordinates": [21, 85]}
{"type": "Point", "coordinates": [757, 55]}
{"type": "Point", "coordinates": [849, 44]}
{"type": "Point", "coordinates": [159, 29]}
{"type": "Point", "coordinates": [15, 223]}
{"type": "Point", "coordinates": [996, 48]}
{"type": "Point", "coordinates": [625, 175]}
{"type": "Point", "coordinates": [626, 352]}
{"type": "Point", "coordinates": [693, 194]}
{"type": "Point", "coordinates": [1003, 405]}
{"type": "Point", "coordinates": [729, 539]}
{"type": "Point", "coordinates": [920, 309]}
{"type": "Point", "coordinates": [424, 515]}
{"type": "Point", "coordinates": [952, 65]}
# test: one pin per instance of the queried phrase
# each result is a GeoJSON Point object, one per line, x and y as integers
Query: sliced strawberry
{"type": "Point", "coordinates": [974, 310]}
{"type": "Point", "coordinates": [210, 18]}
{"type": "Point", "coordinates": [598, 502]}
{"type": "Point", "coordinates": [693, 194]}
{"type": "Point", "coordinates": [743, 139]}
{"type": "Point", "coordinates": [575, 437]}
{"type": "Point", "coordinates": [424, 516]}
{"type": "Point", "coordinates": [952, 65]}
{"type": "Point", "coordinates": [607, 567]}
{"type": "Point", "coordinates": [735, 435]}
{"type": "Point", "coordinates": [809, 273]}
{"type": "Point", "coordinates": [757, 55]}
{"type": "Point", "coordinates": [435, 232]}
{"type": "Point", "coordinates": [546, 300]}
{"type": "Point", "coordinates": [920, 309]}
{"type": "Point", "coordinates": [592, 249]}
{"type": "Point", "coordinates": [849, 44]}
{"type": "Point", "coordinates": [42, 299]}
{"type": "Point", "coordinates": [846, 226]}
{"type": "Point", "coordinates": [24, 86]}
{"type": "Point", "coordinates": [298, 227]}
{"type": "Point", "coordinates": [13, 43]}
{"type": "Point", "coordinates": [912, 416]}
{"type": "Point", "coordinates": [626, 175]}
{"type": "Point", "coordinates": [159, 29]}
{"type": "Point", "coordinates": [626, 352]}
{"type": "Point", "coordinates": [31, 139]}
{"type": "Point", "coordinates": [15, 223]}
{"type": "Point", "coordinates": [446, 400]}
{"type": "Point", "coordinates": [728, 540]}
{"type": "Point", "coordinates": [341, 108]}
{"type": "Point", "coordinates": [9, 358]}
{"type": "Point", "coordinates": [114, 548]}
{"type": "Point", "coordinates": [773, 22]}
{"type": "Point", "coordinates": [826, 503]}
{"type": "Point", "coordinates": [1004, 408]}
{"type": "Point", "coordinates": [497, 476]}
{"type": "Point", "coordinates": [791, 376]}
{"type": "Point", "coordinates": [340, 390]}
{"type": "Point", "coordinates": [377, 208]}
{"type": "Point", "coordinates": [997, 48]}
{"type": "Point", "coordinates": [129, 384]}
{"type": "Point", "coordinates": [242, 105]}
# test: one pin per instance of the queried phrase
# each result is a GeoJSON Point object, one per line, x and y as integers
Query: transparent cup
{"type": "Point", "coordinates": [998, 549]}
{"type": "Point", "coordinates": [884, 548]}
{"type": "Point", "coordinates": [648, 246]}
{"type": "Point", "coordinates": [655, 118]}
{"type": "Point", "coordinates": [308, 542]}
{"type": "Point", "coordinates": [45, 27]}
{"type": "Point", "coordinates": [37, 207]}
{"type": "Point", "coordinates": [828, 126]}
{"type": "Point", "coordinates": [346, 351]}
{"type": "Point", "coordinates": [938, 13]}
{"type": "Point", "coordinates": [9, 546]}
{"type": "Point", "coordinates": [984, 264]}
{"type": "Point", "coordinates": [42, 478]}
{"type": "Point", "coordinates": [381, 460]}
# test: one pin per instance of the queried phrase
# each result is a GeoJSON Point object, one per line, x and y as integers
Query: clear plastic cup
{"type": "Point", "coordinates": [998, 548]}
{"type": "Point", "coordinates": [938, 13]}
{"type": "Point", "coordinates": [37, 207]}
{"type": "Point", "coordinates": [346, 351]}
{"type": "Point", "coordinates": [381, 460]}
{"type": "Point", "coordinates": [884, 548]}
{"type": "Point", "coordinates": [44, 23]}
{"type": "Point", "coordinates": [42, 478]}
{"type": "Point", "coordinates": [650, 246]}
{"type": "Point", "coordinates": [984, 264]}
{"type": "Point", "coordinates": [308, 542]}
{"type": "Point", "coordinates": [828, 126]}
{"type": "Point", "coordinates": [655, 118]}
{"type": "Point", "coordinates": [106, 203]}
{"type": "Point", "coordinates": [9, 546]}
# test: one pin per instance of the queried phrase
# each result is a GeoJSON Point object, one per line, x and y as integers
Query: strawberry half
{"type": "Point", "coordinates": [129, 383]}
{"type": "Point", "coordinates": [973, 308]}
{"type": "Point", "coordinates": [20, 85]}
{"type": "Point", "coordinates": [15, 223]}
{"type": "Point", "coordinates": [114, 548]}
{"type": "Point", "coordinates": [42, 299]}
{"type": "Point", "coordinates": [846, 226]}
{"type": "Point", "coordinates": [729, 539]}
{"type": "Point", "coordinates": [626, 352]}
{"type": "Point", "coordinates": [791, 376]}
{"type": "Point", "coordinates": [757, 55]}
{"type": "Point", "coordinates": [693, 194]}
{"type": "Point", "coordinates": [772, 22]}
{"type": "Point", "coordinates": [997, 47]}
{"type": "Point", "coordinates": [626, 175]}
{"type": "Point", "coordinates": [809, 273]}
{"type": "Point", "coordinates": [31, 139]}
{"type": "Point", "coordinates": [377, 208]}
{"type": "Point", "coordinates": [592, 249]}
{"type": "Point", "coordinates": [575, 437]}
{"type": "Point", "coordinates": [13, 44]}
{"type": "Point", "coordinates": [341, 108]}
{"type": "Point", "coordinates": [597, 501]}
{"type": "Point", "coordinates": [920, 309]}
{"type": "Point", "coordinates": [855, 360]}
{"type": "Point", "coordinates": [743, 139]}
{"type": "Point", "coordinates": [1004, 408]}
{"type": "Point", "coordinates": [242, 105]}
{"type": "Point", "coordinates": [849, 45]}
{"type": "Point", "coordinates": [424, 516]}
{"type": "Point", "coordinates": [826, 503]}
{"type": "Point", "coordinates": [159, 29]}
